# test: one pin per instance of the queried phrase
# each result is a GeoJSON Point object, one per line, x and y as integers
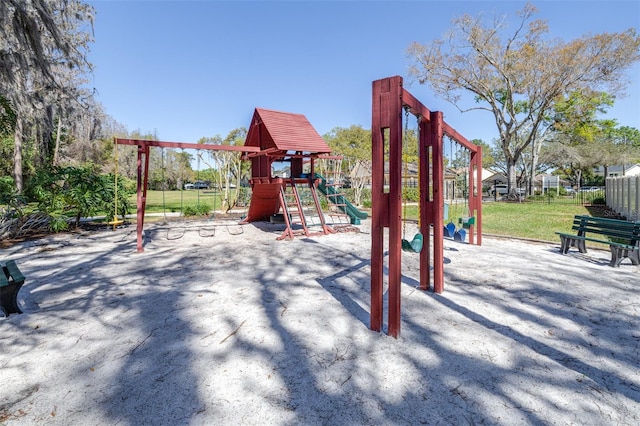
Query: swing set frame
{"type": "Point", "coordinates": [390, 100]}
{"type": "Point", "coordinates": [144, 147]}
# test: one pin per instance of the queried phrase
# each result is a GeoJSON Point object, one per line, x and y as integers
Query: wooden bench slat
{"type": "Point", "coordinates": [4, 280]}
{"type": "Point", "coordinates": [14, 271]}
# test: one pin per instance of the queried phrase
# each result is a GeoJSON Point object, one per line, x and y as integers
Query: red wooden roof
{"type": "Point", "coordinates": [284, 131]}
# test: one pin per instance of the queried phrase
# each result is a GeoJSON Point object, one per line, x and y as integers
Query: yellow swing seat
{"type": "Point", "coordinates": [415, 245]}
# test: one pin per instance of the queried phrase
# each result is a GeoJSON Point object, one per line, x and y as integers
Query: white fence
{"type": "Point", "coordinates": [623, 196]}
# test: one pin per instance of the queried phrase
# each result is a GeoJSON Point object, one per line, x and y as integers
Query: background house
{"type": "Point", "coordinates": [618, 171]}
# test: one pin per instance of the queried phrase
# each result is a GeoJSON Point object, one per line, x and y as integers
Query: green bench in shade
{"type": "Point", "coordinates": [11, 280]}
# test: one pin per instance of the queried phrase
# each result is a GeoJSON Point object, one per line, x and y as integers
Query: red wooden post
{"type": "Point", "coordinates": [395, 204]}
{"type": "Point", "coordinates": [425, 206]}
{"type": "Point", "coordinates": [471, 198]}
{"type": "Point", "coordinates": [476, 162]}
{"type": "Point", "coordinates": [386, 206]}
{"type": "Point", "coordinates": [438, 201]}
{"type": "Point", "coordinates": [379, 206]}
{"type": "Point", "coordinates": [140, 200]}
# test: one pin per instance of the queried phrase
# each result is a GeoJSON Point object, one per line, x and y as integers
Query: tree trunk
{"type": "Point", "coordinates": [511, 179]}
{"type": "Point", "coordinates": [17, 155]}
{"type": "Point", "coordinates": [534, 164]}
{"type": "Point", "coordinates": [56, 149]}
{"type": "Point", "coordinates": [579, 178]}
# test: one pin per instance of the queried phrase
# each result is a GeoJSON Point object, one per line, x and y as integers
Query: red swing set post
{"type": "Point", "coordinates": [389, 101]}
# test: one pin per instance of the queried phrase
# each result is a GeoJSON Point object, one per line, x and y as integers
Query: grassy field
{"type": "Point", "coordinates": [537, 221]}
{"type": "Point", "coordinates": [176, 201]}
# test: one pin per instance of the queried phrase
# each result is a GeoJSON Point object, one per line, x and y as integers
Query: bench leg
{"type": "Point", "coordinates": [582, 247]}
{"type": "Point", "coordinates": [567, 242]}
{"type": "Point", "coordinates": [564, 247]}
{"type": "Point", "coordinates": [9, 298]}
{"type": "Point", "coordinates": [616, 257]}
{"type": "Point", "coordinates": [618, 254]}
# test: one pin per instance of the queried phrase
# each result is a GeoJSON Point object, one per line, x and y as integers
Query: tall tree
{"type": "Point", "coordinates": [519, 74]}
{"type": "Point", "coordinates": [42, 39]}
{"type": "Point", "coordinates": [354, 145]}
{"type": "Point", "coordinates": [228, 164]}
{"type": "Point", "coordinates": [488, 160]}
{"type": "Point", "coordinates": [579, 141]}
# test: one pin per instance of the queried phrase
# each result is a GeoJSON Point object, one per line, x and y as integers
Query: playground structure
{"type": "Point", "coordinates": [273, 136]}
{"type": "Point", "coordinates": [290, 138]}
{"type": "Point", "coordinates": [390, 100]}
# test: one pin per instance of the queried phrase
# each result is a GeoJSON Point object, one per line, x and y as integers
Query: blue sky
{"type": "Point", "coordinates": [193, 69]}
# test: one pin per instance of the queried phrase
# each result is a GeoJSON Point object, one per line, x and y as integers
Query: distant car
{"type": "Point", "coordinates": [189, 186]}
{"type": "Point", "coordinates": [589, 189]}
{"type": "Point", "coordinates": [569, 190]}
{"type": "Point", "coordinates": [501, 189]}
{"type": "Point", "coordinates": [200, 184]}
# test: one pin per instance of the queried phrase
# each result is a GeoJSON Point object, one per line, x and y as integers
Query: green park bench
{"type": "Point", "coordinates": [11, 280]}
{"type": "Point", "coordinates": [622, 237]}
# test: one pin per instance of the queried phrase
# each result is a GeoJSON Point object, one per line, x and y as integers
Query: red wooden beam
{"type": "Point", "coordinates": [415, 106]}
{"type": "Point", "coordinates": [453, 134]}
{"type": "Point", "coordinates": [187, 145]}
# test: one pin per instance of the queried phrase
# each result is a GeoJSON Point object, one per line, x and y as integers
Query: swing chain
{"type": "Point", "coordinates": [418, 119]}
{"type": "Point", "coordinates": [405, 170]}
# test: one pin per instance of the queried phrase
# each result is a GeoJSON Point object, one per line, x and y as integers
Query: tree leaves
{"type": "Point", "coordinates": [520, 76]}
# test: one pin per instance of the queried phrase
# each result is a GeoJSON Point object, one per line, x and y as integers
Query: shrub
{"type": "Point", "coordinates": [411, 195]}
{"type": "Point", "coordinates": [201, 209]}
{"type": "Point", "coordinates": [77, 192]}
{"type": "Point", "coordinates": [10, 198]}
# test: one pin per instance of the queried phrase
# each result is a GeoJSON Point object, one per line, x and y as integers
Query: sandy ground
{"type": "Point", "coordinates": [220, 324]}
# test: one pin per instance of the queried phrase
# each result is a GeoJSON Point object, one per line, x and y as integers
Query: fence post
{"type": "Point", "coordinates": [623, 198]}
{"type": "Point", "coordinates": [620, 195]}
{"type": "Point", "coordinates": [611, 191]}
{"type": "Point", "coordinates": [627, 180]}
{"type": "Point", "coordinates": [616, 196]}
{"type": "Point", "coordinates": [637, 197]}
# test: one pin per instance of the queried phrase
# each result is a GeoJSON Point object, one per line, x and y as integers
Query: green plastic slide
{"type": "Point", "coordinates": [349, 209]}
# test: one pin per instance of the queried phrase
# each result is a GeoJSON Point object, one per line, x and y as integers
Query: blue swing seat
{"type": "Point", "coordinates": [460, 235]}
{"type": "Point", "coordinates": [415, 245]}
{"type": "Point", "coordinates": [449, 230]}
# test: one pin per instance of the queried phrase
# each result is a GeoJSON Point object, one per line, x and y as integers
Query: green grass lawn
{"type": "Point", "coordinates": [537, 221]}
{"type": "Point", "coordinates": [176, 201]}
